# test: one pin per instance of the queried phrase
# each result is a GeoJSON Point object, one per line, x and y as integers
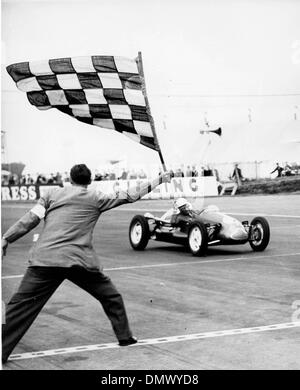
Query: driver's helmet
{"type": "Point", "coordinates": [181, 202]}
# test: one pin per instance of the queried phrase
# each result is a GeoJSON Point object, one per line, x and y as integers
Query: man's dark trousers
{"type": "Point", "coordinates": [37, 286]}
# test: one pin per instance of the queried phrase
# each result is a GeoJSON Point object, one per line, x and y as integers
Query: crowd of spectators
{"type": "Point", "coordinates": [286, 170]}
{"type": "Point", "coordinates": [193, 171]}
{"type": "Point", "coordinates": [39, 178]}
{"type": "Point", "coordinates": [189, 171]}
{"type": "Point", "coordinates": [131, 174]}
{"type": "Point", "coordinates": [125, 174]}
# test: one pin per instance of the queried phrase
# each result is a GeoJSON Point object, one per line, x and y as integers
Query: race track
{"type": "Point", "coordinates": [233, 309]}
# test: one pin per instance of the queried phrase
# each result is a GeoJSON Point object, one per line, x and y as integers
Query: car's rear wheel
{"type": "Point", "coordinates": [197, 239]}
{"type": "Point", "coordinates": [260, 234]}
{"type": "Point", "coordinates": [139, 232]}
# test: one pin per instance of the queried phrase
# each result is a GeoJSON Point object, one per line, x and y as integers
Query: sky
{"type": "Point", "coordinates": [234, 64]}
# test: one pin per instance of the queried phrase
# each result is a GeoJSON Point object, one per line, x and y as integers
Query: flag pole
{"type": "Point", "coordinates": [141, 72]}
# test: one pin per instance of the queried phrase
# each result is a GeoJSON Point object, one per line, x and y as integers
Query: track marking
{"type": "Point", "coordinates": [162, 210]}
{"type": "Point", "coordinates": [12, 276]}
{"type": "Point", "coordinates": [267, 215]}
{"type": "Point", "coordinates": [198, 262]}
{"type": "Point", "coordinates": [225, 212]}
{"type": "Point", "coordinates": [182, 263]}
{"type": "Point", "coordinates": [160, 340]}
{"type": "Point", "coordinates": [285, 227]}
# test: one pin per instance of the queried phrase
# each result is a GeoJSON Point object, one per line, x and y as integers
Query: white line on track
{"type": "Point", "coordinates": [162, 210]}
{"type": "Point", "coordinates": [285, 227]}
{"type": "Point", "coordinates": [225, 212]}
{"type": "Point", "coordinates": [160, 340]}
{"type": "Point", "coordinates": [12, 276]}
{"type": "Point", "coordinates": [267, 215]}
{"type": "Point", "coordinates": [200, 262]}
{"type": "Point", "coordinates": [183, 263]}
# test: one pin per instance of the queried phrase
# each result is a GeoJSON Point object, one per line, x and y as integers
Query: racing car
{"type": "Point", "coordinates": [199, 230]}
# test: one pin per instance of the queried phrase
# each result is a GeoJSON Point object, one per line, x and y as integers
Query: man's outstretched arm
{"type": "Point", "coordinates": [24, 225]}
{"type": "Point", "coordinates": [147, 187]}
{"type": "Point", "coordinates": [133, 194]}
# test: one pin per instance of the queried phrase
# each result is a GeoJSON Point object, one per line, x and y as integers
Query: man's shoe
{"type": "Point", "coordinates": [129, 341]}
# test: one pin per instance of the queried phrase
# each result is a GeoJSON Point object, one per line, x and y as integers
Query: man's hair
{"type": "Point", "coordinates": [80, 174]}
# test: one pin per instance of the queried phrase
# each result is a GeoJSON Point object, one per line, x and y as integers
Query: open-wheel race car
{"type": "Point", "coordinates": [199, 229]}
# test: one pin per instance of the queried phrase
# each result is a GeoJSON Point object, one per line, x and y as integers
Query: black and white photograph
{"type": "Point", "coordinates": [150, 187]}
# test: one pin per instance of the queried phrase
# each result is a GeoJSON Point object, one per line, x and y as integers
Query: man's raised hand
{"type": "Point", "coordinates": [4, 245]}
{"type": "Point", "coordinates": [165, 177]}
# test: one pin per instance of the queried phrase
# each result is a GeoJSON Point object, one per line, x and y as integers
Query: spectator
{"type": "Point", "coordinates": [237, 175]}
{"type": "Point", "coordinates": [23, 180]}
{"type": "Point", "coordinates": [207, 171]}
{"type": "Point", "coordinates": [172, 174]}
{"type": "Point", "coordinates": [66, 177]}
{"type": "Point", "coordinates": [40, 179]}
{"type": "Point", "coordinates": [4, 181]}
{"type": "Point", "coordinates": [194, 171]}
{"type": "Point", "coordinates": [123, 175]}
{"type": "Point", "coordinates": [216, 174]}
{"type": "Point", "coordinates": [142, 174]}
{"type": "Point", "coordinates": [188, 172]}
{"type": "Point", "coordinates": [112, 176]}
{"type": "Point", "coordinates": [287, 170]}
{"type": "Point", "coordinates": [29, 179]}
{"type": "Point", "coordinates": [17, 179]}
{"type": "Point", "coordinates": [51, 179]}
{"type": "Point", "coordinates": [11, 180]}
{"type": "Point", "coordinates": [132, 175]}
{"type": "Point", "coordinates": [58, 178]}
{"type": "Point", "coordinates": [98, 176]}
{"type": "Point", "coordinates": [179, 173]}
{"type": "Point", "coordinates": [279, 170]}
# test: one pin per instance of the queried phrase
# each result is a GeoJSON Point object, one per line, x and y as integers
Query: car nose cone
{"type": "Point", "coordinates": [239, 234]}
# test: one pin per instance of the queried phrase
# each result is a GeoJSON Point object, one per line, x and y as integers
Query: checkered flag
{"type": "Point", "coordinates": [105, 91]}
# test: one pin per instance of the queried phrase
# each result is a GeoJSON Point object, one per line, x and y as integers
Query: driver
{"type": "Point", "coordinates": [181, 208]}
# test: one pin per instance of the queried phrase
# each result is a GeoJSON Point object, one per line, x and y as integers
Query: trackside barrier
{"type": "Point", "coordinates": [25, 192]}
{"type": "Point", "coordinates": [196, 187]}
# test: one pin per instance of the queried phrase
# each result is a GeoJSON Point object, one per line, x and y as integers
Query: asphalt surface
{"type": "Point", "coordinates": [232, 309]}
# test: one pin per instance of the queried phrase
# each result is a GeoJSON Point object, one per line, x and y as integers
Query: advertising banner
{"type": "Point", "coordinates": [179, 187]}
{"type": "Point", "coordinates": [30, 192]}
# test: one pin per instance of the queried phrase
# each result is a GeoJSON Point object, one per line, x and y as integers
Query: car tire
{"type": "Point", "coordinates": [197, 239]}
{"type": "Point", "coordinates": [139, 233]}
{"type": "Point", "coordinates": [261, 229]}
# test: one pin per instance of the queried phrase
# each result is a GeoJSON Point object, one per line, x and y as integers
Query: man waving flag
{"type": "Point", "coordinates": [105, 91]}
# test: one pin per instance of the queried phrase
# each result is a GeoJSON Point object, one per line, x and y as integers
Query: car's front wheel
{"type": "Point", "coordinates": [260, 234]}
{"type": "Point", "coordinates": [198, 239]}
{"type": "Point", "coordinates": [139, 232]}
